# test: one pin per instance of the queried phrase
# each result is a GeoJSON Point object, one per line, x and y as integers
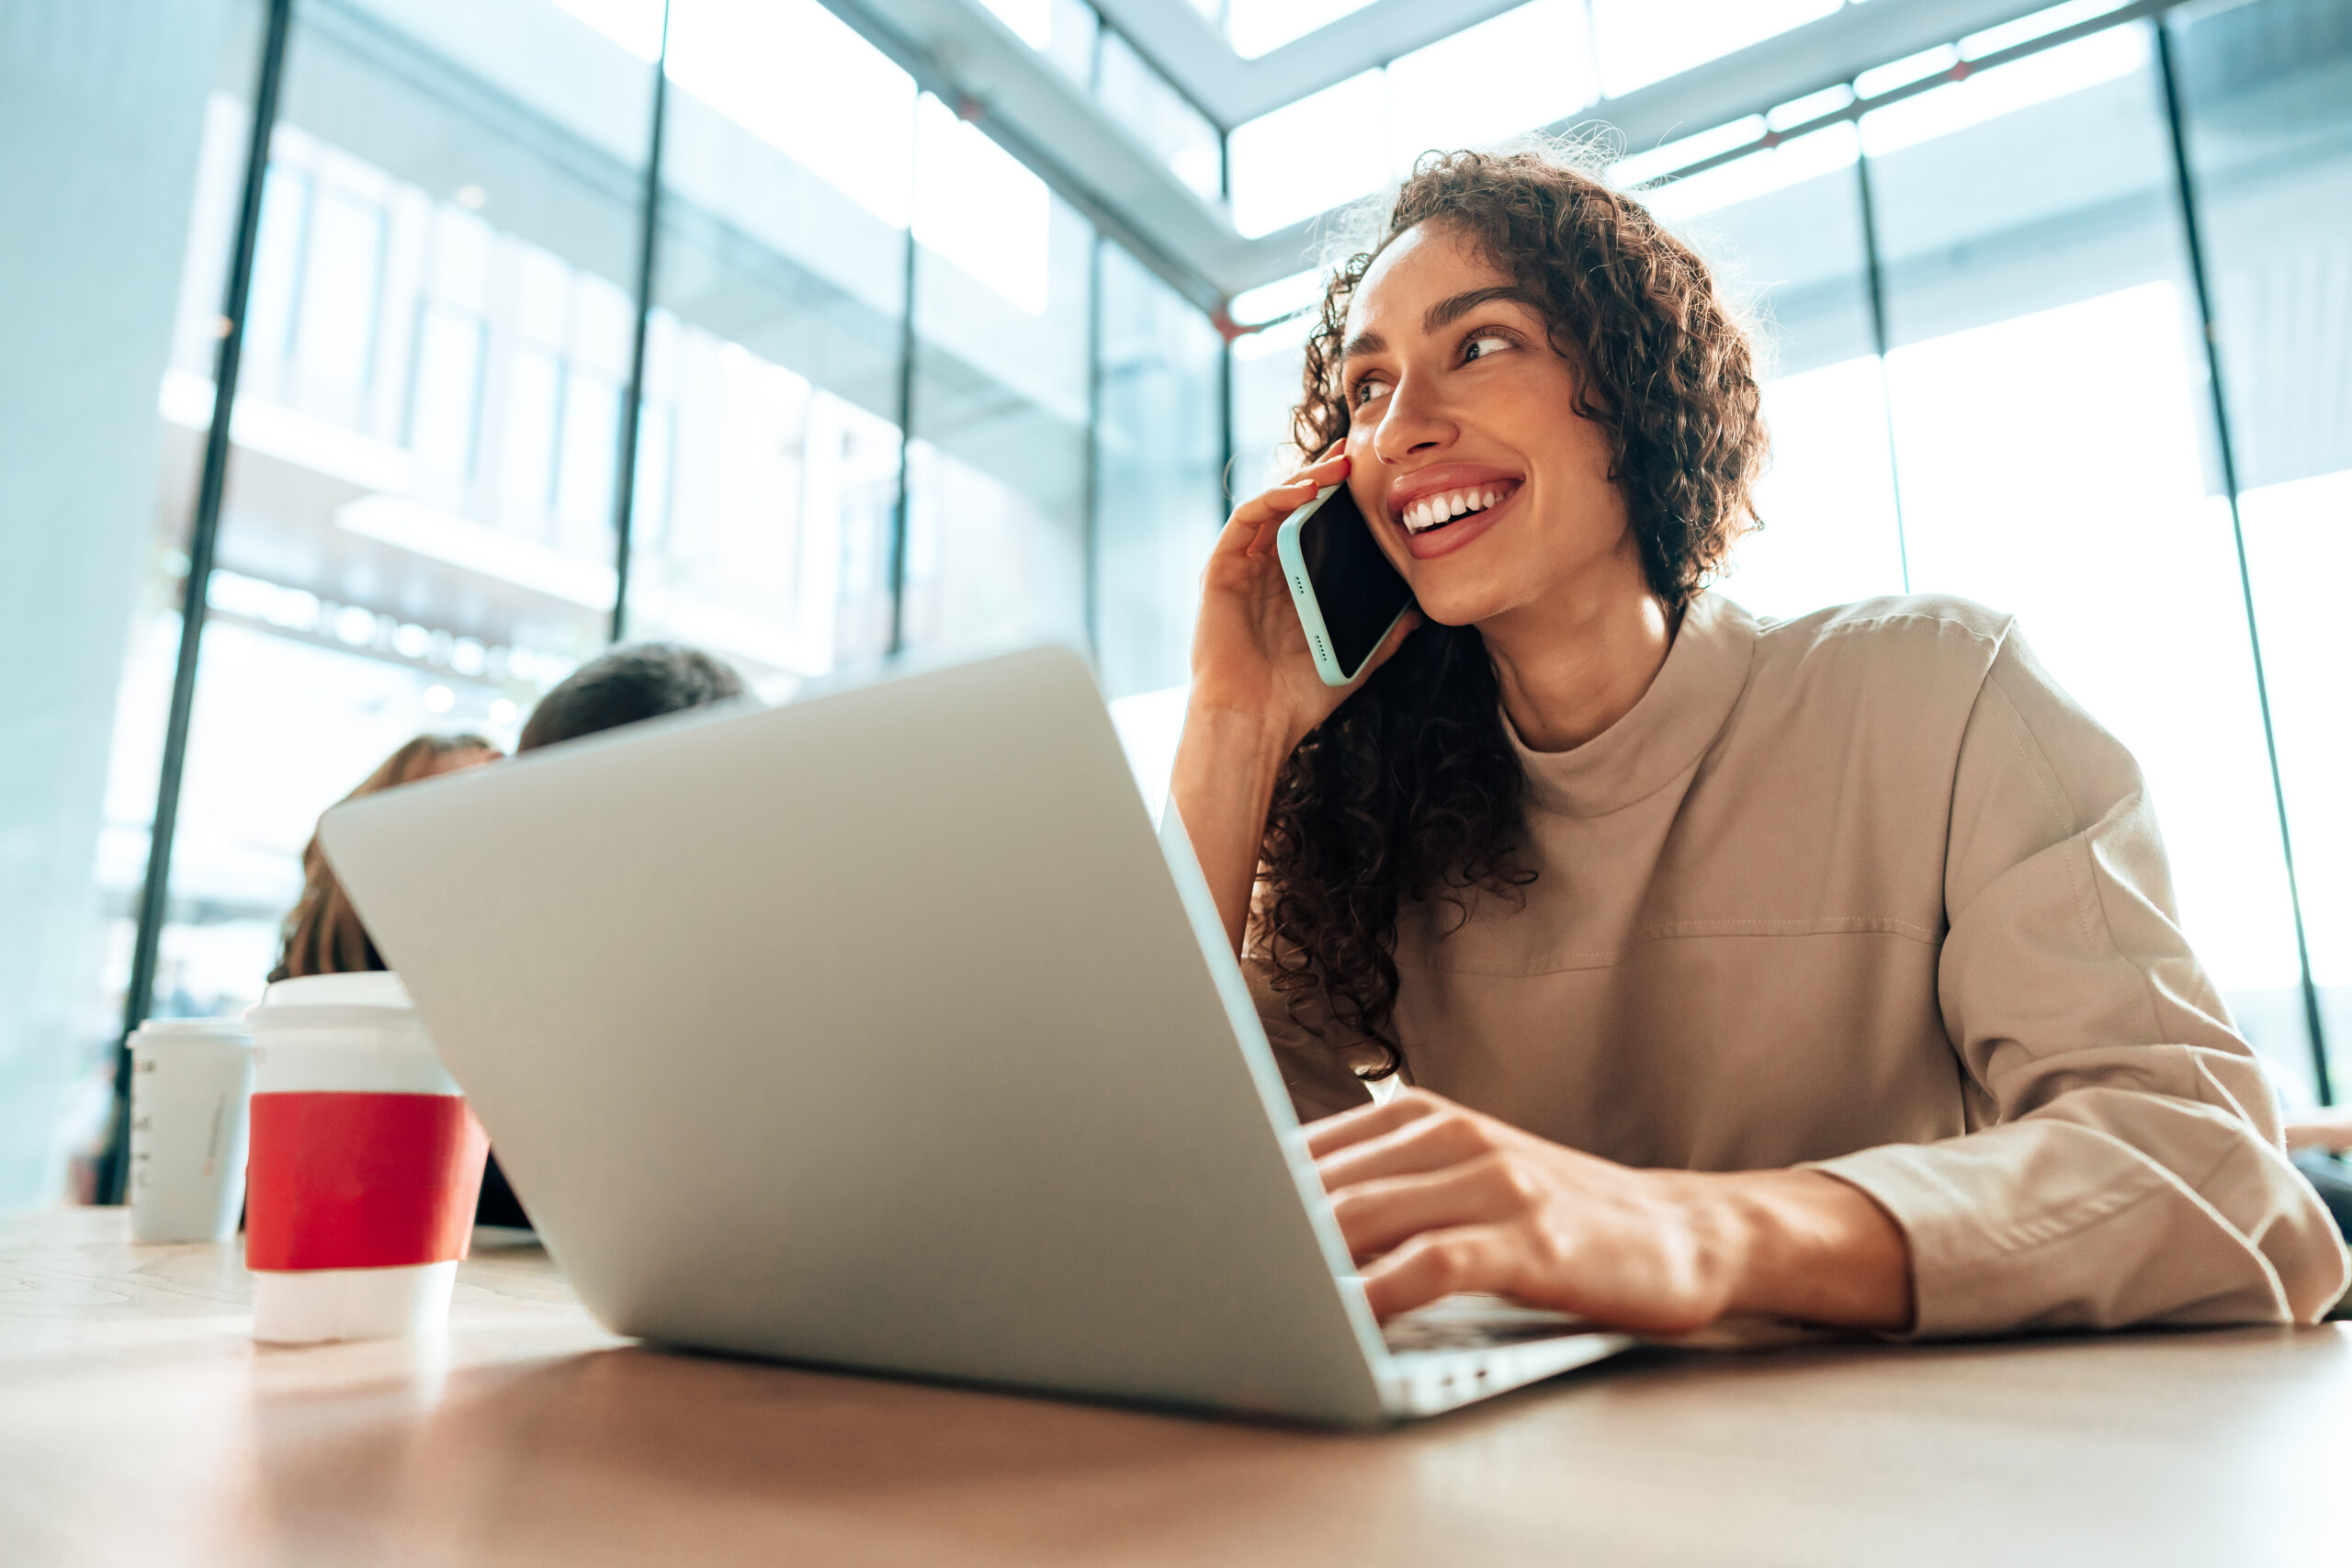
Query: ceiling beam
{"type": "Point", "coordinates": [958, 50]}
{"type": "Point", "coordinates": [1233, 91]}
{"type": "Point", "coordinates": [1779, 69]}
{"type": "Point", "coordinates": [963, 54]}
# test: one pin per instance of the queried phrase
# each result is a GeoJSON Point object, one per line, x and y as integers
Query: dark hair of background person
{"type": "Point", "coordinates": [1410, 790]}
{"type": "Point", "coordinates": [642, 681]}
{"type": "Point", "coordinates": [323, 935]}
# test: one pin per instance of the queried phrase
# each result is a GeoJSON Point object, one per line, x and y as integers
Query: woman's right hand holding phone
{"type": "Point", "coordinates": [1249, 654]}
{"type": "Point", "coordinates": [1255, 690]}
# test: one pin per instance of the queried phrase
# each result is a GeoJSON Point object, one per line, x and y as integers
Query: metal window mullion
{"type": "Point", "coordinates": [900, 515]}
{"type": "Point", "coordinates": [1874, 277]}
{"type": "Point", "coordinates": [1092, 556]}
{"type": "Point", "coordinates": [2192, 234]}
{"type": "Point", "coordinates": [204, 534]}
{"type": "Point", "coordinates": [1224, 321]}
{"type": "Point", "coordinates": [632, 406]}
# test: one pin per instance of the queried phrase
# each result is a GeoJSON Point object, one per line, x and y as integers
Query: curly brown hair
{"type": "Point", "coordinates": [1410, 790]}
{"type": "Point", "coordinates": [322, 935]}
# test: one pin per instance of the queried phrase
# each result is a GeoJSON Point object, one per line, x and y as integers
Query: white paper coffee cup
{"type": "Point", "coordinates": [190, 1082]}
{"type": "Point", "coordinates": [366, 1165]}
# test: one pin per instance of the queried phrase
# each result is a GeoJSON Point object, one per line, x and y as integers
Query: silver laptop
{"type": "Point", "coordinates": [882, 1031]}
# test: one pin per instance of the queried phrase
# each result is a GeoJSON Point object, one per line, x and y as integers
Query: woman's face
{"type": "Point", "coordinates": [1482, 482]}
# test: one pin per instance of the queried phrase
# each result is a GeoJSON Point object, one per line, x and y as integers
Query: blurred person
{"type": "Point", "coordinates": [323, 935]}
{"type": "Point", "coordinates": [1824, 970]}
{"type": "Point", "coordinates": [642, 681]}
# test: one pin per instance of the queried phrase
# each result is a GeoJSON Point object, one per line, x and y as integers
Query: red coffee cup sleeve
{"type": "Point", "coordinates": [356, 1181]}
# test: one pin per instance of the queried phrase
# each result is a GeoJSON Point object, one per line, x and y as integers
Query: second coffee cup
{"type": "Point", "coordinates": [366, 1165]}
{"type": "Point", "coordinates": [189, 1080]}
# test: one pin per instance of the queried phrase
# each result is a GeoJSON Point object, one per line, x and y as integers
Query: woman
{"type": "Point", "coordinates": [1822, 970]}
{"type": "Point", "coordinates": [323, 935]}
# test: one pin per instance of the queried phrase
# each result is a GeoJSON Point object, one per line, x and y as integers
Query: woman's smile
{"type": "Point", "coordinates": [1440, 508]}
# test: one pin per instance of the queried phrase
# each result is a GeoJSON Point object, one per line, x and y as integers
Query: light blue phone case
{"type": "Point", "coordinates": [1302, 595]}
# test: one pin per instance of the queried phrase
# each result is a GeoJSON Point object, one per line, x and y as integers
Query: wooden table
{"type": "Point", "coordinates": [138, 1424]}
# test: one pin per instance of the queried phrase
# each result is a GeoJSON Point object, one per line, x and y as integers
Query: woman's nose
{"type": "Point", "coordinates": [1412, 425]}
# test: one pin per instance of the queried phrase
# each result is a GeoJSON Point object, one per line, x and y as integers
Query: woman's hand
{"type": "Point", "coordinates": [1249, 653]}
{"type": "Point", "coordinates": [1434, 1197]}
{"type": "Point", "coordinates": [1255, 691]}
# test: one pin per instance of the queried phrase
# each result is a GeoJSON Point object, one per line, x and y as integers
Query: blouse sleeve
{"type": "Point", "coordinates": [2130, 1169]}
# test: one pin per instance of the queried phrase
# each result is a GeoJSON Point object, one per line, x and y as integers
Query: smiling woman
{"type": "Point", "coordinates": [1542, 348]}
{"type": "Point", "coordinates": [1824, 969]}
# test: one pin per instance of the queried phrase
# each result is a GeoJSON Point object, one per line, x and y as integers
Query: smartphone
{"type": "Point", "coordinates": [1347, 595]}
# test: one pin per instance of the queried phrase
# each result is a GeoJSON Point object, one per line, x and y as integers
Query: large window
{"type": "Point", "coordinates": [1148, 105]}
{"type": "Point", "coordinates": [1158, 502]}
{"type": "Point", "coordinates": [768, 454]}
{"type": "Point", "coordinates": [417, 531]}
{"type": "Point", "coordinates": [996, 540]}
{"type": "Point", "coordinates": [1784, 230]}
{"type": "Point", "coordinates": [445, 357]}
{"type": "Point", "coordinates": [2055, 453]}
{"type": "Point", "coordinates": [2266, 92]}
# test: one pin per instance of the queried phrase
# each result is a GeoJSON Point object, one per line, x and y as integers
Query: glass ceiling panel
{"type": "Point", "coordinates": [1305, 158]}
{"type": "Point", "coordinates": [1519, 72]}
{"type": "Point", "coordinates": [1523, 68]}
{"type": "Point", "coordinates": [1260, 27]}
{"type": "Point", "coordinates": [1641, 41]}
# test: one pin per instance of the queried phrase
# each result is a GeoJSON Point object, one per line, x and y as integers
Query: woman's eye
{"type": "Point", "coordinates": [1364, 392]}
{"type": "Point", "coordinates": [1480, 347]}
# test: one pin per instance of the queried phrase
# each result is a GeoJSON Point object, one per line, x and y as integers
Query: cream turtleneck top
{"type": "Point", "coordinates": [1866, 891]}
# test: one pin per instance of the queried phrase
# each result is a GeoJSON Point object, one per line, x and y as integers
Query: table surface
{"type": "Point", "coordinates": [139, 1424]}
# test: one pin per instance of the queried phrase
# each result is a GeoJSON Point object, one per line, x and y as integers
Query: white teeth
{"type": "Point", "coordinates": [1432, 510]}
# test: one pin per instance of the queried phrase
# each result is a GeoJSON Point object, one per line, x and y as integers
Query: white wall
{"type": "Point", "coordinates": [100, 106]}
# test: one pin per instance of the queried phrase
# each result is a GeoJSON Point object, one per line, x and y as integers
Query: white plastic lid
{"type": "Point", "coordinates": [372, 989]}
{"type": "Point", "coordinates": [194, 1031]}
{"type": "Point", "coordinates": [343, 1033]}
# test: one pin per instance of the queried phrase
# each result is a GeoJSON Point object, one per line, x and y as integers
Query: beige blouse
{"type": "Point", "coordinates": [1867, 891]}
